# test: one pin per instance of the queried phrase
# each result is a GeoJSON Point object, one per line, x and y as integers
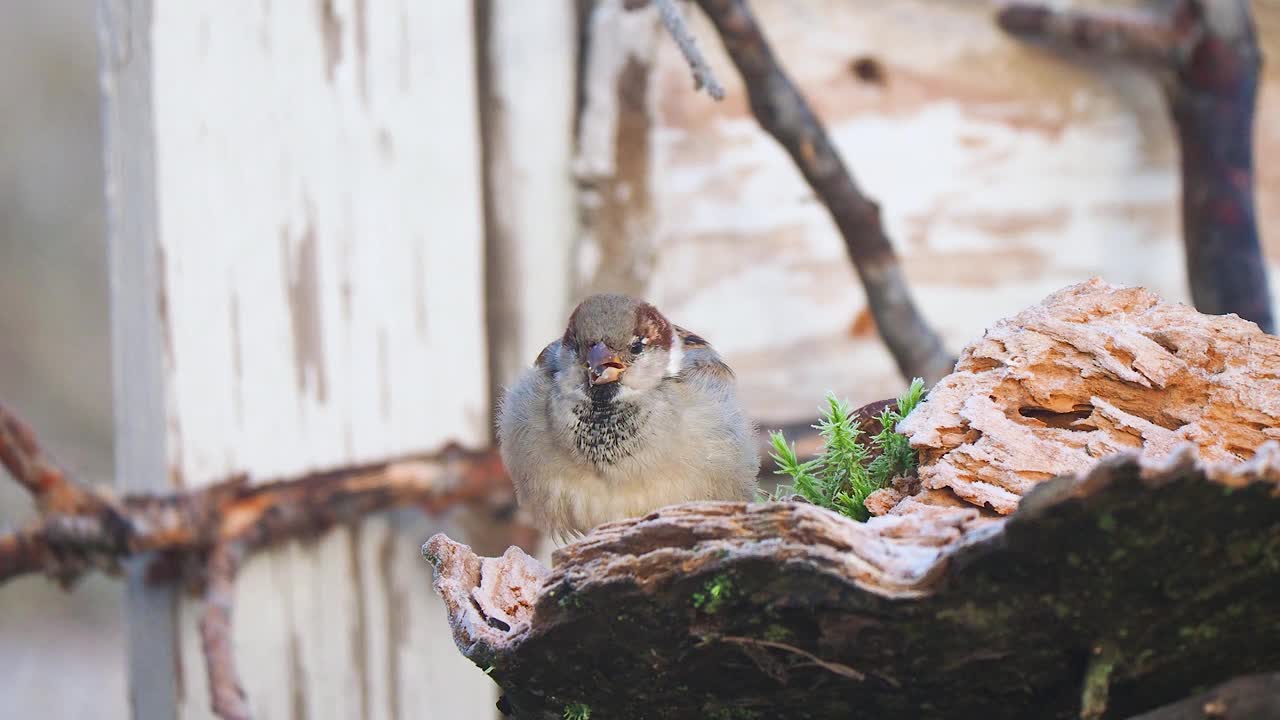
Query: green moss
{"type": "Point", "coordinates": [711, 711]}
{"type": "Point", "coordinates": [577, 711]}
{"type": "Point", "coordinates": [776, 633]}
{"type": "Point", "coordinates": [844, 474]}
{"type": "Point", "coordinates": [565, 597]}
{"type": "Point", "coordinates": [1097, 681]}
{"type": "Point", "coordinates": [1198, 633]}
{"type": "Point", "coordinates": [1144, 657]}
{"type": "Point", "coordinates": [713, 595]}
{"type": "Point", "coordinates": [989, 618]}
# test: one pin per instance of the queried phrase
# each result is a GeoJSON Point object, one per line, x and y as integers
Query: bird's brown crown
{"type": "Point", "coordinates": [615, 320]}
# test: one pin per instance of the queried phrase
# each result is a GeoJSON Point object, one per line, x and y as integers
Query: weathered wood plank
{"type": "Point", "coordinates": [137, 319]}
{"type": "Point", "coordinates": [614, 165]}
{"type": "Point", "coordinates": [313, 299]}
{"type": "Point", "coordinates": [528, 107]}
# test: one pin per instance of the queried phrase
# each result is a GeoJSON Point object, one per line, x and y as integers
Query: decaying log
{"type": "Point", "coordinates": [1092, 371]}
{"type": "Point", "coordinates": [1112, 588]}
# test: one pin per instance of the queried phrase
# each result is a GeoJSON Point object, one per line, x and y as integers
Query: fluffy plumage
{"type": "Point", "coordinates": [623, 414]}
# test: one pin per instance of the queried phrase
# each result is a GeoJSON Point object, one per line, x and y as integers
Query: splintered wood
{"type": "Point", "coordinates": [1093, 370]}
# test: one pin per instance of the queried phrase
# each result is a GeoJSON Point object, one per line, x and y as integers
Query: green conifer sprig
{"type": "Point", "coordinates": [840, 478]}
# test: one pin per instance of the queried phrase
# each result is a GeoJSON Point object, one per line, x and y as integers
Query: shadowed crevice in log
{"type": "Point", "coordinates": [1073, 419]}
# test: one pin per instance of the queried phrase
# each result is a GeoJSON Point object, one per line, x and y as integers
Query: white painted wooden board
{"type": "Point", "coordinates": [1003, 174]}
{"type": "Point", "coordinates": [318, 293]}
{"type": "Point", "coordinates": [529, 107]}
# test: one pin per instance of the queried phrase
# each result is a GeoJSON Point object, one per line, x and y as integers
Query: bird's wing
{"type": "Point", "coordinates": [700, 360]}
{"type": "Point", "coordinates": [547, 358]}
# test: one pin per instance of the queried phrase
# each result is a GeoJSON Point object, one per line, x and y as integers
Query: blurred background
{"type": "Point", "coordinates": [532, 156]}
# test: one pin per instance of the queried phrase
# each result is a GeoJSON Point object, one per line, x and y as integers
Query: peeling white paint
{"type": "Point", "coordinates": [531, 107]}
{"type": "Point", "coordinates": [321, 226]}
{"type": "Point", "coordinates": [622, 36]}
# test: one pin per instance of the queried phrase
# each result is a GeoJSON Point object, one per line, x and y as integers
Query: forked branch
{"type": "Point", "coordinates": [1206, 55]}
{"type": "Point", "coordinates": [206, 534]}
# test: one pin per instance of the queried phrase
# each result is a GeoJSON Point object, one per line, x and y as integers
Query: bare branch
{"type": "Point", "coordinates": [1130, 35]}
{"type": "Point", "coordinates": [1208, 58]}
{"type": "Point", "coordinates": [206, 533]}
{"type": "Point", "coordinates": [257, 516]}
{"type": "Point", "coordinates": [783, 112]}
{"type": "Point", "coordinates": [22, 553]}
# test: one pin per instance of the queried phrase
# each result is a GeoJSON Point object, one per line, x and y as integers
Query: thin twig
{"type": "Point", "coordinates": [830, 666]}
{"type": "Point", "coordinates": [26, 462]}
{"type": "Point", "coordinates": [838, 668]}
{"type": "Point", "coordinates": [226, 694]}
{"type": "Point", "coordinates": [783, 112]}
{"type": "Point", "coordinates": [703, 76]}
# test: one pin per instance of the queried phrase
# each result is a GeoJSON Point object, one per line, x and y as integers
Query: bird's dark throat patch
{"type": "Point", "coordinates": [603, 394]}
{"type": "Point", "coordinates": [606, 430]}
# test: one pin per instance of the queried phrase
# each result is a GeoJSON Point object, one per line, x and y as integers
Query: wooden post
{"type": "Point", "coordinates": [528, 55]}
{"type": "Point", "coordinates": [136, 326]}
{"type": "Point", "coordinates": [297, 284]}
{"type": "Point", "coordinates": [617, 247]}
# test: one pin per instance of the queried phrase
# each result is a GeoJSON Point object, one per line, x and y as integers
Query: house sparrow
{"type": "Point", "coordinates": [623, 414]}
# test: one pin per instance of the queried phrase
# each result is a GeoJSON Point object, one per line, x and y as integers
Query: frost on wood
{"type": "Point", "coordinates": [1094, 370]}
{"type": "Point", "coordinates": [1121, 585]}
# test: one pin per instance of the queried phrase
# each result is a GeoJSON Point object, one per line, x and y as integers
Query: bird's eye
{"type": "Point", "coordinates": [637, 347]}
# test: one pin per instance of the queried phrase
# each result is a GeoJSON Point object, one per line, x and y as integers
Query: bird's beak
{"type": "Point", "coordinates": [604, 365]}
